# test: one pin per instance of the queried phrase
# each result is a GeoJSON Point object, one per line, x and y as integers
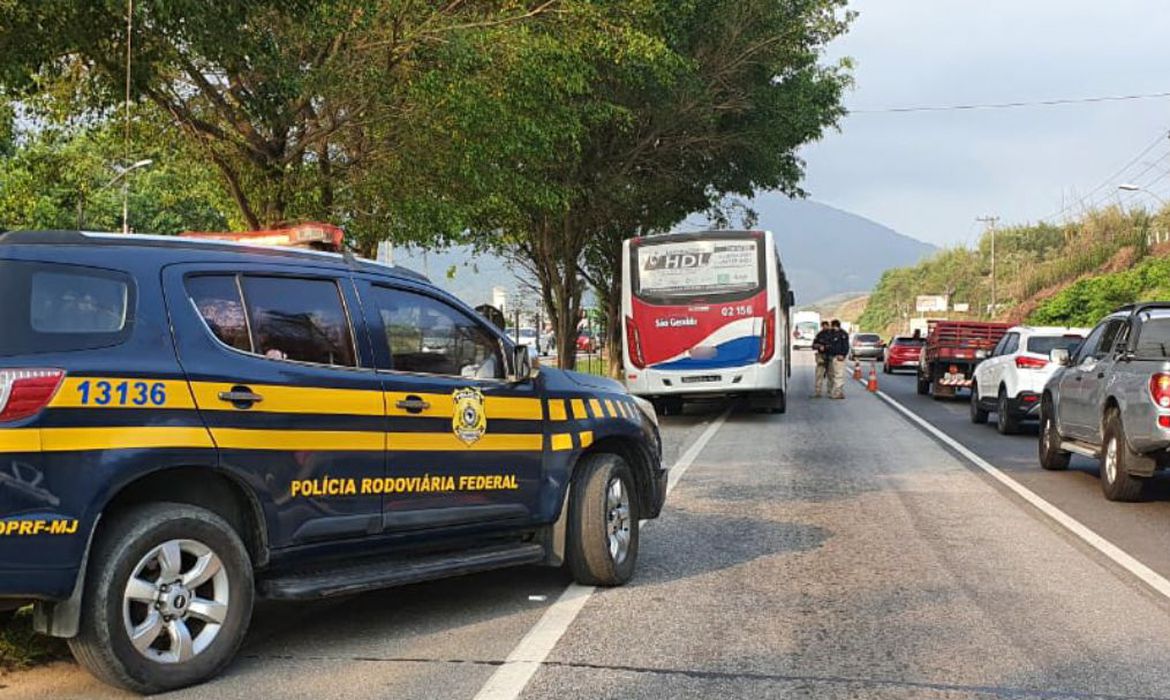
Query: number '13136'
{"type": "Point", "coordinates": [105, 393]}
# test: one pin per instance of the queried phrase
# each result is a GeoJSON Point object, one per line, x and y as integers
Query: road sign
{"type": "Point", "coordinates": [928, 303]}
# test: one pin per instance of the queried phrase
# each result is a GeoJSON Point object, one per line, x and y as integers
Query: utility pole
{"type": "Point", "coordinates": [990, 222]}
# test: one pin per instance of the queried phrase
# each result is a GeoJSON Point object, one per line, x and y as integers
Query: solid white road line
{"type": "Point", "coordinates": [1147, 575]}
{"type": "Point", "coordinates": [517, 671]}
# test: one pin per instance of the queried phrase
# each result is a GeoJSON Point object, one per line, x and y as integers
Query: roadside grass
{"type": "Point", "coordinates": [21, 648]}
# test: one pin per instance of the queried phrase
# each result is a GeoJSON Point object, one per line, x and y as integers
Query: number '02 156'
{"type": "Point", "coordinates": [126, 393]}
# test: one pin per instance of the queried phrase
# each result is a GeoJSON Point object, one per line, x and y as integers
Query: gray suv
{"type": "Point", "coordinates": [1111, 400]}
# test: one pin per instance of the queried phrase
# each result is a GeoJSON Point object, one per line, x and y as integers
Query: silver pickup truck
{"type": "Point", "coordinates": [1111, 400]}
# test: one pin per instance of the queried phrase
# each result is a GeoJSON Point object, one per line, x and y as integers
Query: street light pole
{"type": "Point", "coordinates": [122, 172]}
{"type": "Point", "coordinates": [991, 221]}
{"type": "Point", "coordinates": [1128, 187]}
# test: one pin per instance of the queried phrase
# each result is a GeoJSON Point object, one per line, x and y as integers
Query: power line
{"type": "Point", "coordinates": [1160, 138]}
{"type": "Point", "coordinates": [1091, 196]}
{"type": "Point", "coordinates": [1011, 105]}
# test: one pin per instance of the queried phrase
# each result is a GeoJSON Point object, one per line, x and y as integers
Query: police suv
{"type": "Point", "coordinates": [186, 425]}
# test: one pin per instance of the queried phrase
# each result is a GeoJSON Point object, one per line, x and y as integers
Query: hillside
{"type": "Point", "coordinates": [1065, 275]}
{"type": "Point", "coordinates": [828, 251]}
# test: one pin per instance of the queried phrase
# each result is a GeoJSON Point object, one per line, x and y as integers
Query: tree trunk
{"type": "Point", "coordinates": [614, 328]}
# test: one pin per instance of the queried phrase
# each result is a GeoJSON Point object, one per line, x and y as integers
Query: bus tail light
{"type": "Point", "coordinates": [768, 339]}
{"type": "Point", "coordinates": [26, 392]}
{"type": "Point", "coordinates": [1160, 389]}
{"type": "Point", "coordinates": [634, 341]}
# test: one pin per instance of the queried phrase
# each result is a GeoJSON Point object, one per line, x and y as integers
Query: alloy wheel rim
{"type": "Point", "coordinates": [176, 601]}
{"type": "Point", "coordinates": [1111, 461]}
{"type": "Point", "coordinates": [617, 506]}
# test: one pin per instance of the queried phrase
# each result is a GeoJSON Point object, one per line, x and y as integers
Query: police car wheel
{"type": "Point", "coordinates": [602, 546]}
{"type": "Point", "coordinates": [168, 598]}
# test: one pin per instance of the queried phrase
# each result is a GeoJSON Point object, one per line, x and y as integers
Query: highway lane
{"type": "Point", "coordinates": [833, 552]}
{"type": "Point", "coordinates": [1140, 529]}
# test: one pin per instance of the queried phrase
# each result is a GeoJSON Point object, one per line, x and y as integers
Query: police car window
{"type": "Point", "coordinates": [49, 307]}
{"type": "Point", "coordinates": [217, 299]}
{"type": "Point", "coordinates": [427, 336]}
{"type": "Point", "coordinates": [298, 319]}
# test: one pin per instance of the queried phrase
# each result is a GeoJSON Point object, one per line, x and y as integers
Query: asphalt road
{"type": "Point", "coordinates": [1140, 529]}
{"type": "Point", "coordinates": [834, 552]}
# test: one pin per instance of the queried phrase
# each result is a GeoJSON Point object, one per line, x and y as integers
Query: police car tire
{"type": "Point", "coordinates": [102, 645]}
{"type": "Point", "coordinates": [587, 546]}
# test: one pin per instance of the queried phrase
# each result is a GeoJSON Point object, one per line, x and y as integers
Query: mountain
{"type": "Point", "coordinates": [827, 251]}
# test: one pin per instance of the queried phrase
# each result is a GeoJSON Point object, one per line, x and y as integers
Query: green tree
{"type": "Point", "coordinates": [330, 109]}
{"type": "Point", "coordinates": [59, 178]}
{"type": "Point", "coordinates": [717, 103]}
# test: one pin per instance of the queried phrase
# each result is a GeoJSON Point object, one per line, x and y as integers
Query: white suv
{"type": "Point", "coordinates": [1010, 381]}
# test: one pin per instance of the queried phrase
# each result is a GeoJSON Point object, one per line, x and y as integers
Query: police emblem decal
{"type": "Point", "coordinates": [469, 421]}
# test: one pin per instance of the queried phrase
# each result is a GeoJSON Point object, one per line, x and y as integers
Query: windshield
{"type": "Point", "coordinates": [1044, 344]}
{"type": "Point", "coordinates": [807, 328]}
{"type": "Point", "coordinates": [912, 342]}
{"type": "Point", "coordinates": [698, 268]}
{"type": "Point", "coordinates": [867, 338]}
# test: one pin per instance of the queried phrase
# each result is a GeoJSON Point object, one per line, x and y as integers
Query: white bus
{"type": "Point", "coordinates": [706, 314]}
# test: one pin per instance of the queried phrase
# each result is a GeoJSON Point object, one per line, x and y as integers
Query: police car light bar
{"type": "Point", "coordinates": [315, 236]}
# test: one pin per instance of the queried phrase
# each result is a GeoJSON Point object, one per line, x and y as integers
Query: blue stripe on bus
{"type": "Point", "coordinates": [742, 351]}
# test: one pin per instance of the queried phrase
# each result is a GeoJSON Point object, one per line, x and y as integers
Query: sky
{"type": "Point", "coordinates": [929, 175]}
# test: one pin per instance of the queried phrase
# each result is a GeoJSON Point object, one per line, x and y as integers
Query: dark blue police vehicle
{"type": "Point", "coordinates": [186, 425]}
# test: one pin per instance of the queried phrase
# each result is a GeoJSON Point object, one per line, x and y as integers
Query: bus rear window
{"type": "Point", "coordinates": [49, 307]}
{"type": "Point", "coordinates": [697, 268]}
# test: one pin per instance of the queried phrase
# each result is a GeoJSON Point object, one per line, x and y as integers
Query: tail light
{"type": "Point", "coordinates": [1160, 389]}
{"type": "Point", "coordinates": [634, 341]}
{"type": "Point", "coordinates": [25, 392]}
{"type": "Point", "coordinates": [1025, 362]}
{"type": "Point", "coordinates": [768, 339]}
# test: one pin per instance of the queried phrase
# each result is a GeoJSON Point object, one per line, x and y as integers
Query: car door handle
{"type": "Point", "coordinates": [413, 404]}
{"type": "Point", "coordinates": [241, 397]}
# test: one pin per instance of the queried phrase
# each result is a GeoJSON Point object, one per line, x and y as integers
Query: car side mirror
{"type": "Point", "coordinates": [1060, 357]}
{"type": "Point", "coordinates": [522, 368]}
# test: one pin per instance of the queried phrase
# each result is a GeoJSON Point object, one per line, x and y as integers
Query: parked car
{"type": "Point", "coordinates": [528, 338]}
{"type": "Point", "coordinates": [587, 341]}
{"type": "Point", "coordinates": [1110, 400]}
{"type": "Point", "coordinates": [904, 351]}
{"type": "Point", "coordinates": [1009, 382]}
{"type": "Point", "coordinates": [866, 346]}
{"type": "Point", "coordinates": [200, 423]}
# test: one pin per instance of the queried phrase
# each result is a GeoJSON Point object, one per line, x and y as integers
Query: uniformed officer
{"type": "Point", "coordinates": [820, 346]}
{"type": "Point", "coordinates": [838, 349]}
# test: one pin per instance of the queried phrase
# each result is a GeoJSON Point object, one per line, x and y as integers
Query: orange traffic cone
{"type": "Point", "coordinates": [872, 386]}
{"type": "Point", "coordinates": [857, 370]}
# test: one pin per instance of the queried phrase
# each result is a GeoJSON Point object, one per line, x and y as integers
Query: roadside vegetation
{"type": "Point", "coordinates": [1069, 274]}
{"type": "Point", "coordinates": [20, 647]}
